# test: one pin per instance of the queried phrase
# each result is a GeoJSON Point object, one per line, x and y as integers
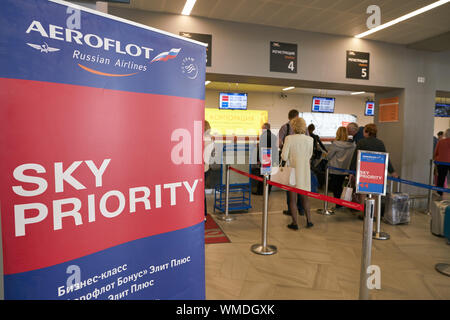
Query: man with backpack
{"type": "Point", "coordinates": [286, 130]}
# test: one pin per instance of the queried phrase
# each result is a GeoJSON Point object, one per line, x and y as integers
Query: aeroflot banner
{"type": "Point", "coordinates": [94, 201]}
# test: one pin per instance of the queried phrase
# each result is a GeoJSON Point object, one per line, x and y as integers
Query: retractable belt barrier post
{"type": "Point", "coordinates": [264, 248]}
{"type": "Point", "coordinates": [366, 254]}
{"type": "Point", "coordinates": [325, 210]}
{"type": "Point", "coordinates": [226, 217]}
{"type": "Point", "coordinates": [430, 194]}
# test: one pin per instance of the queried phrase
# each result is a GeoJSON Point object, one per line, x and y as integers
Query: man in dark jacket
{"type": "Point", "coordinates": [319, 148]}
{"type": "Point", "coordinates": [371, 143]}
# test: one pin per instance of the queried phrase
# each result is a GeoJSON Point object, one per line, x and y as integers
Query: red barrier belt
{"type": "Point", "coordinates": [348, 204]}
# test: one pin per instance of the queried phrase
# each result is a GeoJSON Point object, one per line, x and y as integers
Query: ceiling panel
{"type": "Point", "coordinates": [342, 17]}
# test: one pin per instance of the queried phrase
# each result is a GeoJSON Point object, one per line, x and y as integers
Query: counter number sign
{"type": "Point", "coordinates": [283, 57]}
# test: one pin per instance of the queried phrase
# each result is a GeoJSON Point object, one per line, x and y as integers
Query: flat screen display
{"type": "Point", "coordinates": [233, 101]}
{"type": "Point", "coordinates": [322, 104]}
{"type": "Point", "coordinates": [370, 108]}
{"type": "Point", "coordinates": [442, 110]}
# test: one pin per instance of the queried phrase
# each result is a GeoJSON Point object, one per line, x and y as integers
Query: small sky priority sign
{"type": "Point", "coordinates": [371, 173]}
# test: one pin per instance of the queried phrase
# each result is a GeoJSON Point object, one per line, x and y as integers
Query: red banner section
{"type": "Point", "coordinates": [348, 204]}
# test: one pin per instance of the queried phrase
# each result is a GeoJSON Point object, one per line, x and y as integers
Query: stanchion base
{"type": "Point", "coordinates": [380, 236]}
{"type": "Point", "coordinates": [224, 217]}
{"type": "Point", "coordinates": [327, 212]}
{"type": "Point", "coordinates": [443, 268]}
{"type": "Point", "coordinates": [260, 249]}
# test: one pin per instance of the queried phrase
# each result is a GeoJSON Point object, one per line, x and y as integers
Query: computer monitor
{"type": "Point", "coordinates": [233, 101]}
{"type": "Point", "coordinates": [370, 108]}
{"type": "Point", "coordinates": [442, 110]}
{"type": "Point", "coordinates": [323, 104]}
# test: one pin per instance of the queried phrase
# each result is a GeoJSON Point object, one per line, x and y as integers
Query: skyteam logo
{"type": "Point", "coordinates": [164, 56]}
{"type": "Point", "coordinates": [189, 68]}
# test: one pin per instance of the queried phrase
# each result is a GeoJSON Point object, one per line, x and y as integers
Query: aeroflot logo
{"type": "Point", "coordinates": [94, 41]}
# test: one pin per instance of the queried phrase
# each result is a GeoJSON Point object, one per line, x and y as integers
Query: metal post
{"type": "Point", "coordinates": [325, 210]}
{"type": "Point", "coordinates": [378, 235]}
{"type": "Point", "coordinates": [430, 192]}
{"type": "Point", "coordinates": [264, 248]}
{"type": "Point", "coordinates": [366, 254]}
{"type": "Point", "coordinates": [226, 217]}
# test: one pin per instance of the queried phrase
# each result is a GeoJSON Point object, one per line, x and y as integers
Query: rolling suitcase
{"type": "Point", "coordinates": [396, 207]}
{"type": "Point", "coordinates": [438, 209]}
{"type": "Point", "coordinates": [447, 223]}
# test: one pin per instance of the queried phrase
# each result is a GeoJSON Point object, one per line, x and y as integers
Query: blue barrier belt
{"type": "Point", "coordinates": [412, 183]}
{"type": "Point", "coordinates": [442, 163]}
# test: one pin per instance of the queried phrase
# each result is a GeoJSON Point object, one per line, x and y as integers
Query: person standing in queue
{"type": "Point", "coordinates": [355, 131]}
{"type": "Point", "coordinates": [208, 153]}
{"type": "Point", "coordinates": [339, 155]}
{"type": "Point", "coordinates": [442, 154]}
{"type": "Point", "coordinates": [318, 145]}
{"type": "Point", "coordinates": [285, 131]}
{"type": "Point", "coordinates": [297, 151]}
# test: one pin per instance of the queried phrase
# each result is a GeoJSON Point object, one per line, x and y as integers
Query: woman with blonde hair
{"type": "Point", "coordinates": [297, 151]}
{"type": "Point", "coordinates": [339, 156]}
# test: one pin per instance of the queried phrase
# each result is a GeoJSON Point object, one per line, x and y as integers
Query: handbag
{"type": "Point", "coordinates": [347, 192]}
{"type": "Point", "coordinates": [283, 175]}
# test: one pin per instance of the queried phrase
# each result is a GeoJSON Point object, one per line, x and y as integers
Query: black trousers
{"type": "Point", "coordinates": [335, 185]}
{"type": "Point", "coordinates": [442, 174]}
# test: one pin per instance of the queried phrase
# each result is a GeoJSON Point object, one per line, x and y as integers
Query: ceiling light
{"type": "Point", "coordinates": [188, 7]}
{"type": "Point", "coordinates": [288, 88]}
{"type": "Point", "coordinates": [355, 93]}
{"type": "Point", "coordinates": [207, 82]}
{"type": "Point", "coordinates": [403, 18]}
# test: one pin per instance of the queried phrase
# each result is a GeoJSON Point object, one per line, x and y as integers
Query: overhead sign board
{"type": "Point", "coordinates": [358, 65]}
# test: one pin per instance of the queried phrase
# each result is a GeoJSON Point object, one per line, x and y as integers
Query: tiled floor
{"type": "Point", "coordinates": [322, 262]}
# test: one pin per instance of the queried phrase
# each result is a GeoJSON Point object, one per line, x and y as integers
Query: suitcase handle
{"type": "Point", "coordinates": [391, 186]}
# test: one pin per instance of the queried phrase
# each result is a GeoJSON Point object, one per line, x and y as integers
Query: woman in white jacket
{"type": "Point", "coordinates": [339, 156]}
{"type": "Point", "coordinates": [297, 150]}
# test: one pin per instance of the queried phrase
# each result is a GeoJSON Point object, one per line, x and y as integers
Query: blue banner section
{"type": "Point", "coordinates": [47, 41]}
{"type": "Point", "coordinates": [371, 188]}
{"type": "Point", "coordinates": [375, 158]}
{"type": "Point", "coordinates": [166, 266]}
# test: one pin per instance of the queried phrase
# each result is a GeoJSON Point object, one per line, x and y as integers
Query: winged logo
{"type": "Point", "coordinates": [44, 47]}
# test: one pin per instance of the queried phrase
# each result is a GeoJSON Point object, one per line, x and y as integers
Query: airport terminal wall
{"type": "Point", "coordinates": [243, 50]}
